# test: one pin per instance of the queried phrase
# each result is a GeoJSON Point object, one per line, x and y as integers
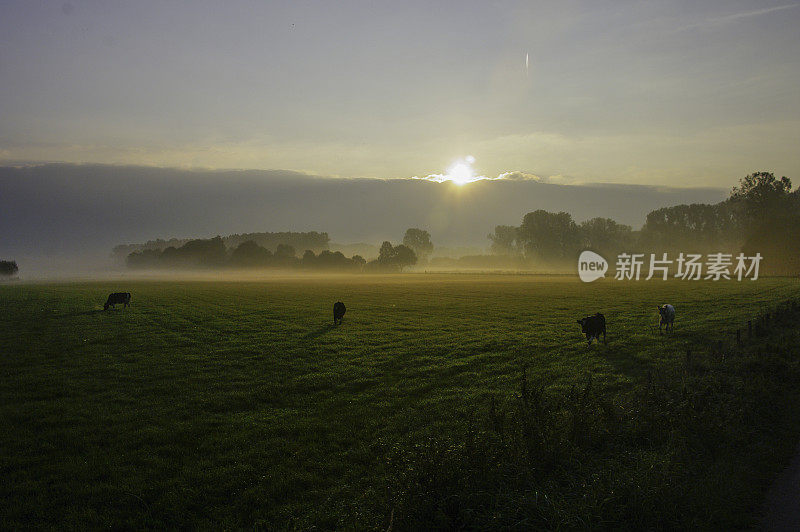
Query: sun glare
{"type": "Point", "coordinates": [461, 171]}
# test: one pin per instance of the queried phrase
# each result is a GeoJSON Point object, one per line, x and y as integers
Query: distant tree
{"type": "Point", "coordinates": [170, 257]}
{"type": "Point", "coordinates": [8, 268]}
{"type": "Point", "coordinates": [386, 251]}
{"type": "Point", "coordinates": [214, 252]}
{"type": "Point", "coordinates": [311, 240]}
{"type": "Point", "coordinates": [762, 215]}
{"type": "Point", "coordinates": [146, 258]}
{"type": "Point", "coordinates": [771, 219]}
{"type": "Point", "coordinates": [205, 253]}
{"type": "Point", "coordinates": [250, 255]}
{"type": "Point", "coordinates": [420, 241]}
{"type": "Point", "coordinates": [404, 256]}
{"type": "Point", "coordinates": [394, 258]}
{"type": "Point", "coordinates": [202, 253]}
{"type": "Point", "coordinates": [284, 257]}
{"type": "Point", "coordinates": [358, 262]}
{"type": "Point", "coordinates": [332, 261]}
{"type": "Point", "coordinates": [308, 260]}
{"type": "Point", "coordinates": [549, 236]}
{"type": "Point", "coordinates": [692, 228]}
{"type": "Point", "coordinates": [604, 235]}
{"type": "Point", "coordinates": [762, 196]}
{"type": "Point", "coordinates": [284, 250]}
{"type": "Point", "coordinates": [505, 240]}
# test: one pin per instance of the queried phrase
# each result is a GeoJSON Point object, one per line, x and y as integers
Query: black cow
{"type": "Point", "coordinates": [338, 312]}
{"type": "Point", "coordinates": [592, 326]}
{"type": "Point", "coordinates": [118, 297]}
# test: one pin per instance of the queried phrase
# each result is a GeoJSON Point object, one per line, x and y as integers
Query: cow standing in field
{"type": "Point", "coordinates": [593, 326]}
{"type": "Point", "coordinates": [338, 312]}
{"type": "Point", "coordinates": [667, 313]}
{"type": "Point", "coordinates": [118, 297]}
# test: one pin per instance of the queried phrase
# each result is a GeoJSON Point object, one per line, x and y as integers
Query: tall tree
{"type": "Point", "coordinates": [549, 236]}
{"type": "Point", "coordinates": [404, 256]}
{"type": "Point", "coordinates": [692, 228]}
{"type": "Point", "coordinates": [771, 212]}
{"type": "Point", "coordinates": [763, 197]}
{"type": "Point", "coordinates": [604, 235]}
{"type": "Point", "coordinates": [420, 241]}
{"type": "Point", "coordinates": [386, 252]}
{"type": "Point", "coordinates": [395, 258]}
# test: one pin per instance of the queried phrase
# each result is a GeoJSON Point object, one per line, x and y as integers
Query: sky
{"type": "Point", "coordinates": [680, 93]}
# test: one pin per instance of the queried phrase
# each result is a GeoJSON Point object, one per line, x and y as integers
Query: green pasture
{"type": "Point", "coordinates": [238, 403]}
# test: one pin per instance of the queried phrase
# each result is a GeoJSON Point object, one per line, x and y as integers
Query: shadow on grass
{"type": "Point", "coordinates": [81, 313]}
{"type": "Point", "coordinates": [316, 333]}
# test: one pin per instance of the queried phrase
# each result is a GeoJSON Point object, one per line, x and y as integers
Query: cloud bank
{"type": "Point", "coordinates": [514, 175]}
{"type": "Point", "coordinates": [56, 210]}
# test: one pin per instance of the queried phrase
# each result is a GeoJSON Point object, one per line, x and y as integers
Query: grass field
{"type": "Point", "coordinates": [233, 404]}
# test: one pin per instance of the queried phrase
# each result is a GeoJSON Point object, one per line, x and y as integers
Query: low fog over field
{"type": "Point", "coordinates": [76, 212]}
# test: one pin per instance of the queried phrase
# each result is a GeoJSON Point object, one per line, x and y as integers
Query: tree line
{"type": "Point", "coordinates": [760, 215]}
{"type": "Point", "coordinates": [270, 240]}
{"type": "Point", "coordinates": [212, 253]}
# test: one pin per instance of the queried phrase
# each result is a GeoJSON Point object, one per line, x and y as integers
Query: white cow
{"type": "Point", "coordinates": [667, 313]}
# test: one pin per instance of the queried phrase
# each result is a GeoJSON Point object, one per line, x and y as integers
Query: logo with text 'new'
{"type": "Point", "coordinates": [591, 266]}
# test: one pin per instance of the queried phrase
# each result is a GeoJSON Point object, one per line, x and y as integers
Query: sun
{"type": "Point", "coordinates": [461, 171]}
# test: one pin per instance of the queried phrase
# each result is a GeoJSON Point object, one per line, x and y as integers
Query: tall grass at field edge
{"type": "Point", "coordinates": [691, 445]}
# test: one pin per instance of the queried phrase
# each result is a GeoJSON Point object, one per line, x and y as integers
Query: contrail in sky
{"type": "Point", "coordinates": [719, 21]}
{"type": "Point", "coordinates": [526, 63]}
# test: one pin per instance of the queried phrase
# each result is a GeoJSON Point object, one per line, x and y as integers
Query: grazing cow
{"type": "Point", "coordinates": [338, 312]}
{"type": "Point", "coordinates": [593, 326]}
{"type": "Point", "coordinates": [118, 297]}
{"type": "Point", "coordinates": [667, 313]}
